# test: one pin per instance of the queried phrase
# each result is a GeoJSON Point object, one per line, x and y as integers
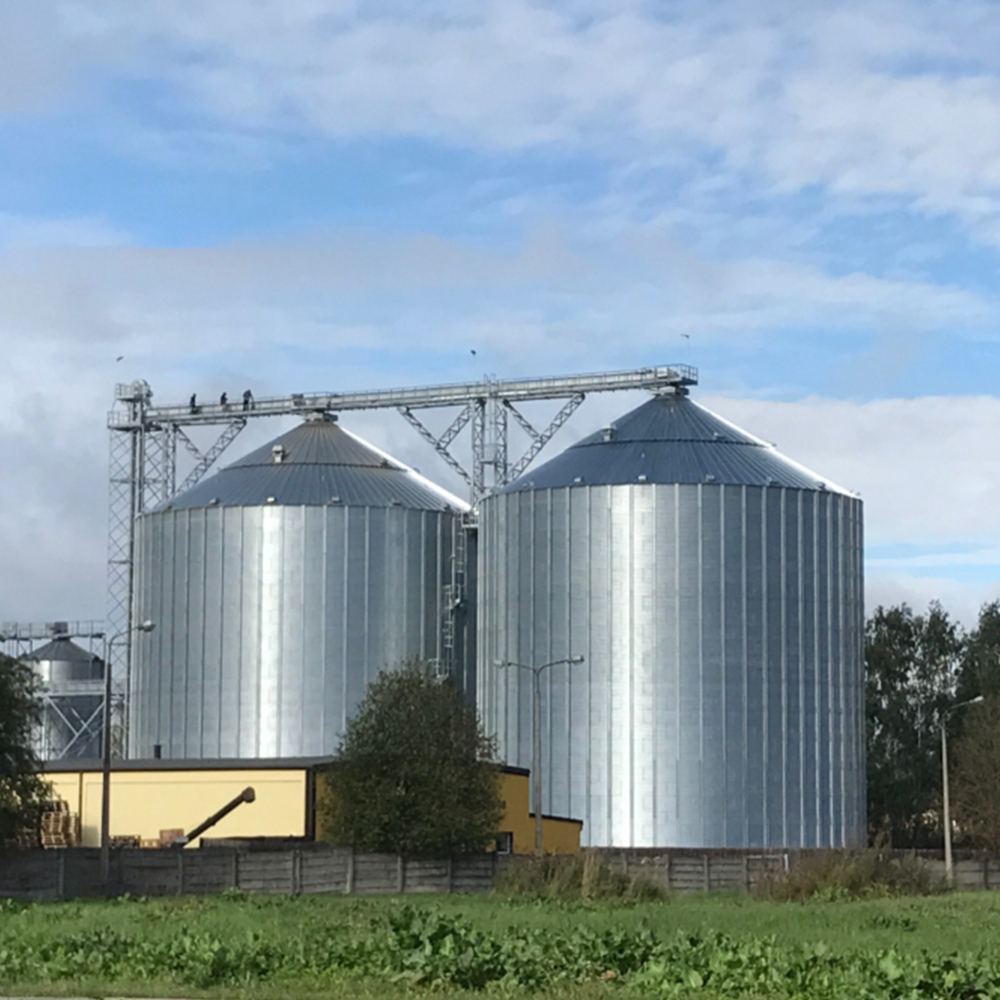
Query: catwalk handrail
{"type": "Point", "coordinates": [457, 394]}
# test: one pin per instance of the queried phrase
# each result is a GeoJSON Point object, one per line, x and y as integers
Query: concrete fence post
{"type": "Point", "coordinates": [349, 881]}
{"type": "Point", "coordinates": [708, 876]}
{"type": "Point", "coordinates": [61, 874]}
{"type": "Point", "coordinates": [400, 874]}
{"type": "Point", "coordinates": [449, 870]}
{"type": "Point", "coordinates": [180, 872]}
{"type": "Point", "coordinates": [296, 871]}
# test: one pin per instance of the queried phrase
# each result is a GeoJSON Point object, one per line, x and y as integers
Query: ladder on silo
{"type": "Point", "coordinates": [454, 592]}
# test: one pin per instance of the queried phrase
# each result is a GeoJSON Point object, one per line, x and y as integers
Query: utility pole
{"type": "Point", "coordinates": [949, 869]}
{"type": "Point", "coordinates": [146, 626]}
{"type": "Point", "coordinates": [536, 767]}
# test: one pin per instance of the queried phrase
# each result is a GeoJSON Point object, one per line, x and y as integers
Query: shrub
{"type": "Point", "coordinates": [415, 773]}
{"type": "Point", "coordinates": [832, 875]}
{"type": "Point", "coordinates": [577, 876]}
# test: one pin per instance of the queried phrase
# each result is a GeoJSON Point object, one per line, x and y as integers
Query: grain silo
{"type": "Point", "coordinates": [73, 695]}
{"type": "Point", "coordinates": [715, 589]}
{"type": "Point", "coordinates": [280, 587]}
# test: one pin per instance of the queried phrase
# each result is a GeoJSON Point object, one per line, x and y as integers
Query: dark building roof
{"type": "Point", "coordinates": [671, 439]}
{"type": "Point", "coordinates": [66, 764]}
{"type": "Point", "coordinates": [317, 463]}
{"type": "Point", "coordinates": [73, 765]}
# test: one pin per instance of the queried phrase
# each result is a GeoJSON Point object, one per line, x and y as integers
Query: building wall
{"type": "Point", "coordinates": [559, 835]}
{"type": "Point", "coordinates": [145, 802]}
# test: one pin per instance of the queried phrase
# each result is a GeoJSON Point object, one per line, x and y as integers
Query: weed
{"type": "Point", "coordinates": [830, 876]}
{"type": "Point", "coordinates": [582, 876]}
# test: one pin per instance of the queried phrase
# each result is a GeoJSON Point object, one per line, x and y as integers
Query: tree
{"type": "Point", "coordinates": [976, 775]}
{"type": "Point", "coordinates": [415, 773]}
{"type": "Point", "coordinates": [976, 754]}
{"type": "Point", "coordinates": [912, 666]}
{"type": "Point", "coordinates": [21, 790]}
{"type": "Point", "coordinates": [980, 671]}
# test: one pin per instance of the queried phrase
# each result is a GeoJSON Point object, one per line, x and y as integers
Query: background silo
{"type": "Point", "coordinates": [72, 721]}
{"type": "Point", "coordinates": [716, 590]}
{"type": "Point", "coordinates": [280, 587]}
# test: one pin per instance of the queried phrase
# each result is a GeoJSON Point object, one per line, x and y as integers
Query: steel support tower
{"type": "Point", "coordinates": [62, 700]}
{"type": "Point", "coordinates": [145, 438]}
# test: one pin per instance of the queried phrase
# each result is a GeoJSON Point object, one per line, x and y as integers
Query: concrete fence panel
{"type": "Point", "coordinates": [67, 873]}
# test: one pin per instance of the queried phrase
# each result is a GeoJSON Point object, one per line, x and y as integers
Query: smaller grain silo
{"type": "Point", "coordinates": [280, 587]}
{"type": "Point", "coordinates": [715, 589]}
{"type": "Point", "coordinates": [73, 680]}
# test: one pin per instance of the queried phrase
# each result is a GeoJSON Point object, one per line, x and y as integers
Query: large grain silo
{"type": "Point", "coordinates": [280, 587]}
{"type": "Point", "coordinates": [715, 589]}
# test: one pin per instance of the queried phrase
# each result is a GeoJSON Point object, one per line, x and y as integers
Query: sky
{"type": "Point", "coordinates": [803, 200]}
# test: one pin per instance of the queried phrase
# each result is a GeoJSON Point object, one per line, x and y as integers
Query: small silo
{"type": "Point", "coordinates": [715, 589]}
{"type": "Point", "coordinates": [280, 586]}
{"type": "Point", "coordinates": [73, 679]}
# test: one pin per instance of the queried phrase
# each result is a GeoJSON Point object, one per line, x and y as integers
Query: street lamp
{"type": "Point", "coordinates": [536, 769]}
{"type": "Point", "coordinates": [146, 626]}
{"type": "Point", "coordinates": [949, 872]}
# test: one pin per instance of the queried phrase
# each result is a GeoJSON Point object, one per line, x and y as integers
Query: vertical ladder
{"type": "Point", "coordinates": [454, 593]}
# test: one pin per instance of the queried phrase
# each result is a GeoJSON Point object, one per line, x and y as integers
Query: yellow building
{"type": "Point", "coordinates": [560, 835]}
{"type": "Point", "coordinates": [149, 798]}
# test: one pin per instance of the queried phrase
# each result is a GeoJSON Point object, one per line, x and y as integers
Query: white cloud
{"type": "Point", "coordinates": [48, 48]}
{"type": "Point", "coordinates": [20, 232]}
{"type": "Point", "coordinates": [895, 98]}
{"type": "Point", "coordinates": [961, 600]}
{"type": "Point", "coordinates": [928, 469]}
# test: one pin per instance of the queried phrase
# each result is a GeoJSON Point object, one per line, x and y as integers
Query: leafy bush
{"type": "Point", "coordinates": [833, 875]}
{"type": "Point", "coordinates": [572, 877]}
{"type": "Point", "coordinates": [415, 773]}
{"type": "Point", "coordinates": [422, 947]}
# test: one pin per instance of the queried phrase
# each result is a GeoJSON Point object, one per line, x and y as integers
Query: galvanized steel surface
{"type": "Point", "coordinates": [73, 694]}
{"type": "Point", "coordinates": [280, 588]}
{"type": "Point", "coordinates": [272, 620]}
{"type": "Point", "coordinates": [63, 660]}
{"type": "Point", "coordinates": [720, 703]}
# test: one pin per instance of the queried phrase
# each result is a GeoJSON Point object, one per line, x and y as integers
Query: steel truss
{"type": "Point", "coordinates": [144, 437]}
{"type": "Point", "coordinates": [61, 701]}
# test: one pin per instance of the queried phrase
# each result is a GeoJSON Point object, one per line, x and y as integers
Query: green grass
{"type": "Point", "coordinates": [332, 947]}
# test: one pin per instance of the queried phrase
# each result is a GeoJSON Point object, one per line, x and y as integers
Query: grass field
{"type": "Point", "coordinates": [322, 946]}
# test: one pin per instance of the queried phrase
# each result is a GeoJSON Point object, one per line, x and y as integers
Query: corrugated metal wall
{"type": "Point", "coordinates": [721, 700]}
{"type": "Point", "coordinates": [272, 620]}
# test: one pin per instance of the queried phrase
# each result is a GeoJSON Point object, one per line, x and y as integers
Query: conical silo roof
{"type": "Point", "coordinates": [671, 439]}
{"type": "Point", "coordinates": [63, 650]}
{"type": "Point", "coordinates": [63, 660]}
{"type": "Point", "coordinates": [317, 463]}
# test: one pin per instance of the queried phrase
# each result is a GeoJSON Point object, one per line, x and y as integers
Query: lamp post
{"type": "Point", "coordinates": [949, 871]}
{"type": "Point", "coordinates": [536, 769]}
{"type": "Point", "coordinates": [146, 626]}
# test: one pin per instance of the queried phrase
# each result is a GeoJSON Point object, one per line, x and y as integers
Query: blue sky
{"type": "Point", "coordinates": [297, 195]}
